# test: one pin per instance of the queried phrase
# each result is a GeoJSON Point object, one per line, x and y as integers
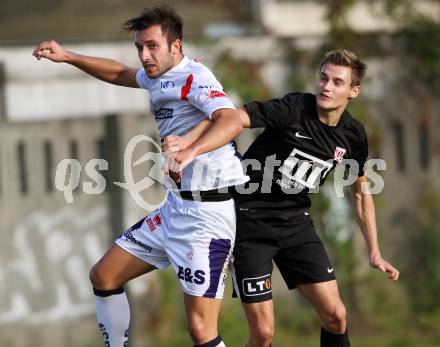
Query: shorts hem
{"type": "Point", "coordinates": [129, 250]}
{"type": "Point", "coordinates": [311, 282]}
{"type": "Point", "coordinates": [201, 295]}
{"type": "Point", "coordinates": [254, 300]}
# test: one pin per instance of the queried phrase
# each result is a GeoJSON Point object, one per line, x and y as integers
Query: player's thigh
{"type": "Point", "coordinates": [137, 251]}
{"type": "Point", "coordinates": [202, 311]}
{"type": "Point", "coordinates": [117, 266]}
{"type": "Point", "coordinates": [252, 266]}
{"type": "Point", "coordinates": [303, 258]}
{"type": "Point", "coordinates": [323, 296]}
{"type": "Point", "coordinates": [145, 240]}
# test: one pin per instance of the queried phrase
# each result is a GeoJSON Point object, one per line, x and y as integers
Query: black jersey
{"type": "Point", "coordinates": [296, 152]}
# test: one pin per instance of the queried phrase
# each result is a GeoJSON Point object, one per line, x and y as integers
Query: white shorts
{"type": "Point", "coordinates": [196, 238]}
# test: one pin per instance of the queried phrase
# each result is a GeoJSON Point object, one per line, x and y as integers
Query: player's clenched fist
{"type": "Point", "coordinates": [174, 143]}
{"type": "Point", "coordinates": [176, 162]}
{"type": "Point", "coordinates": [50, 50]}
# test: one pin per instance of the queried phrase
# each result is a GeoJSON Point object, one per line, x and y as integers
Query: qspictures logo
{"type": "Point", "coordinates": [299, 171]}
{"type": "Point", "coordinates": [69, 171]}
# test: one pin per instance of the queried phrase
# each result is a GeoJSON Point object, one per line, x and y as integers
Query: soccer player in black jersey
{"type": "Point", "coordinates": [305, 137]}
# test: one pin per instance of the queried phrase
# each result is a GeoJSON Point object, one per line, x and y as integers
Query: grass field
{"type": "Point", "coordinates": [296, 325]}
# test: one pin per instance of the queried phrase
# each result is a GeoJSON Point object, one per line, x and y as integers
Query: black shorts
{"type": "Point", "coordinates": [293, 245]}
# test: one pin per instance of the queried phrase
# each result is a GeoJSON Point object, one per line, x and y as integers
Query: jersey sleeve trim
{"type": "Point", "coordinates": [219, 107]}
{"type": "Point", "coordinates": [203, 91]}
{"type": "Point", "coordinates": [251, 109]}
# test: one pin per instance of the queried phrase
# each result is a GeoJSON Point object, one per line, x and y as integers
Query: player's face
{"type": "Point", "coordinates": [156, 56]}
{"type": "Point", "coordinates": [333, 87]}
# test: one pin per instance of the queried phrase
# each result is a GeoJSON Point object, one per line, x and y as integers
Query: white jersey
{"type": "Point", "coordinates": [180, 99]}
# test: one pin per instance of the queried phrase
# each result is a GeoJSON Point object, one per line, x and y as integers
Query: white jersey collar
{"type": "Point", "coordinates": [178, 68]}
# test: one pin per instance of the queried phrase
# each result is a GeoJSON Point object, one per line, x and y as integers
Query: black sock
{"type": "Point", "coordinates": [211, 343]}
{"type": "Point", "coordinates": [329, 339]}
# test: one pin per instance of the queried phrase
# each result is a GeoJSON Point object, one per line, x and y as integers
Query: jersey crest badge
{"type": "Point", "coordinates": [166, 84]}
{"type": "Point", "coordinates": [339, 154]}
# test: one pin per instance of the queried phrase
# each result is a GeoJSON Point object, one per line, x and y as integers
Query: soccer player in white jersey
{"type": "Point", "coordinates": [194, 236]}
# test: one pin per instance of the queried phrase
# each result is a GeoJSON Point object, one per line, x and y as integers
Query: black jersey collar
{"type": "Point", "coordinates": [312, 110]}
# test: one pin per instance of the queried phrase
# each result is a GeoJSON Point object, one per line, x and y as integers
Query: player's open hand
{"type": "Point", "coordinates": [50, 50]}
{"type": "Point", "coordinates": [379, 263]}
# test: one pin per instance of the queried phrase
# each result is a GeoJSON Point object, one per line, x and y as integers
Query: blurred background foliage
{"type": "Point", "coordinates": [242, 77]}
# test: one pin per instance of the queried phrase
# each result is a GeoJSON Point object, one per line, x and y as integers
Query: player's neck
{"type": "Point", "coordinates": [177, 59]}
{"type": "Point", "coordinates": [330, 117]}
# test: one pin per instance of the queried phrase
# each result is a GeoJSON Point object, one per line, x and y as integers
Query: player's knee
{"type": "Point", "coordinates": [94, 276]}
{"type": "Point", "coordinates": [198, 331]}
{"type": "Point", "coordinates": [334, 320]}
{"type": "Point", "coordinates": [99, 280]}
{"type": "Point", "coordinates": [263, 333]}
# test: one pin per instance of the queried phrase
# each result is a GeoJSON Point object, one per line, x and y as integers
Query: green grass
{"type": "Point", "coordinates": [296, 324]}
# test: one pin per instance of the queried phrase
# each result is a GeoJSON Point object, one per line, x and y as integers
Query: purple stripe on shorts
{"type": "Point", "coordinates": [237, 153]}
{"type": "Point", "coordinates": [218, 253]}
{"type": "Point", "coordinates": [137, 225]}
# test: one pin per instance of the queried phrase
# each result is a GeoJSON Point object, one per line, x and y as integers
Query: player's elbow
{"type": "Point", "coordinates": [235, 123]}
{"type": "Point", "coordinates": [229, 120]}
{"type": "Point", "coordinates": [237, 127]}
{"type": "Point", "coordinates": [125, 77]}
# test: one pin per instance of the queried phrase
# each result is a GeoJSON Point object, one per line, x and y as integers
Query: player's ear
{"type": "Point", "coordinates": [354, 91]}
{"type": "Point", "coordinates": [176, 46]}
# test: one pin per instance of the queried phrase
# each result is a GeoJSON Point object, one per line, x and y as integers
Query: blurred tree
{"type": "Point", "coordinates": [421, 43]}
{"type": "Point", "coordinates": [242, 77]}
{"type": "Point", "coordinates": [422, 260]}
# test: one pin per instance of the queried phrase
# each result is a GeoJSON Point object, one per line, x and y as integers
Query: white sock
{"type": "Point", "coordinates": [113, 315]}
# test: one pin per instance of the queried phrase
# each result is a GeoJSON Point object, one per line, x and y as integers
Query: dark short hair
{"type": "Point", "coordinates": [165, 16]}
{"type": "Point", "coordinates": [344, 57]}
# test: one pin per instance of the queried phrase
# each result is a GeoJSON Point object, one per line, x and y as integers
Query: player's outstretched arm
{"type": "Point", "coordinates": [107, 70]}
{"type": "Point", "coordinates": [366, 217]}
